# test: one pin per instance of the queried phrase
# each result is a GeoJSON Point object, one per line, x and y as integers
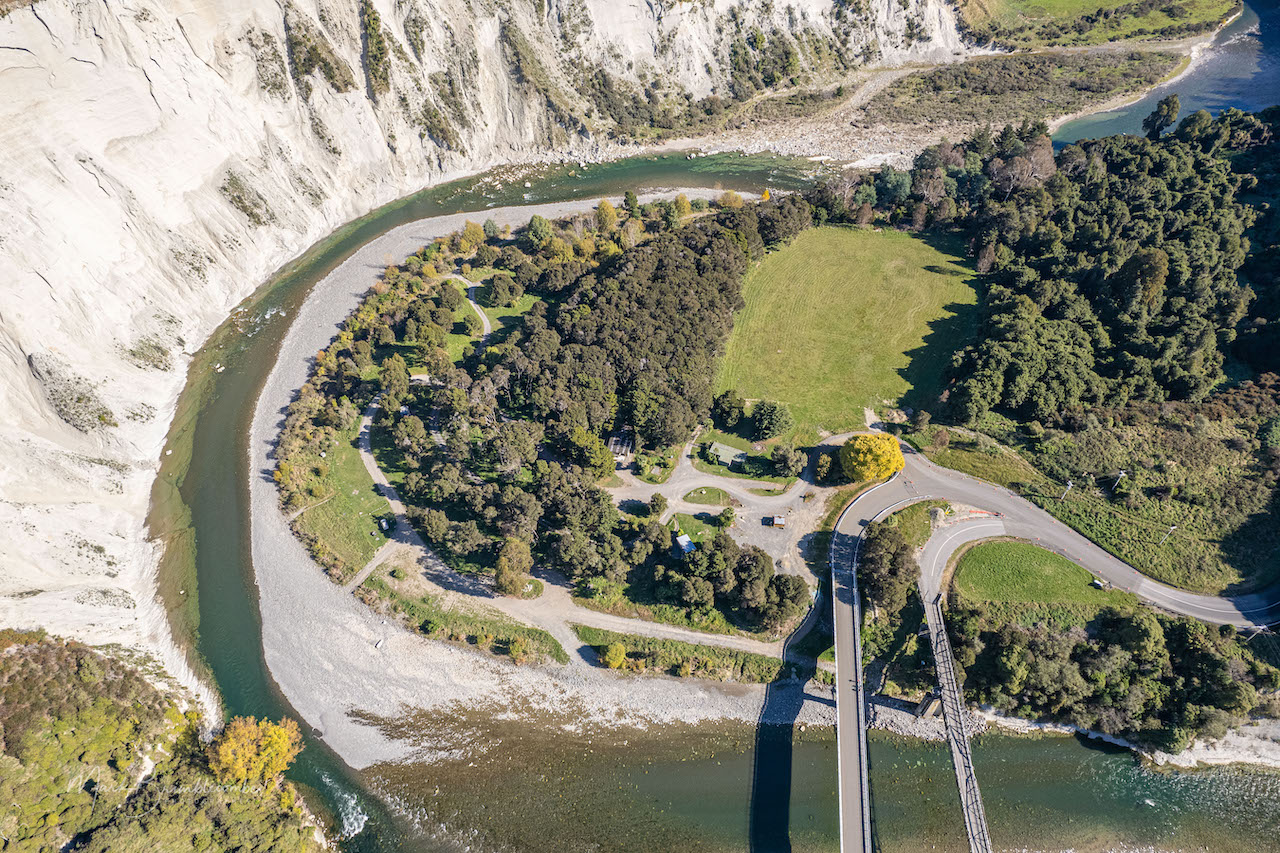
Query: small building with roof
{"type": "Point", "coordinates": [728, 456]}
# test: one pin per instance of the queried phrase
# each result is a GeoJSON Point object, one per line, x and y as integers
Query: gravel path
{"type": "Point", "coordinates": [553, 611]}
{"type": "Point", "coordinates": [319, 642]}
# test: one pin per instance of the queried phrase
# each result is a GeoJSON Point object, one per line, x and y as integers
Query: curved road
{"type": "Point", "coordinates": [1019, 518]}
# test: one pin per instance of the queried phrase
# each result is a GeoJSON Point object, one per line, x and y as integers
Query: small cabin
{"type": "Point", "coordinates": [779, 521]}
{"type": "Point", "coordinates": [684, 545]}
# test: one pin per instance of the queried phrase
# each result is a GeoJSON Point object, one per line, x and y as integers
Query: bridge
{"type": "Point", "coordinates": [1007, 514]}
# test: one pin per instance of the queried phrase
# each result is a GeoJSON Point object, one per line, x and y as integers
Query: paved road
{"type": "Point", "coordinates": [1009, 515]}
{"type": "Point", "coordinates": [922, 479]}
{"type": "Point", "coordinates": [851, 703]}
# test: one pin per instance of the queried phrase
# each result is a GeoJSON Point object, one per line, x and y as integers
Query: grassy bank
{"type": "Point", "coordinates": [1018, 582]}
{"type": "Point", "coordinates": [496, 635]}
{"type": "Point", "coordinates": [340, 524]}
{"type": "Point", "coordinates": [1035, 23]}
{"type": "Point", "coordinates": [671, 657]}
{"type": "Point", "coordinates": [844, 318]}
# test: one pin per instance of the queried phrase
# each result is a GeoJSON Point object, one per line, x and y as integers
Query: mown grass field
{"type": "Point", "coordinates": [1026, 584]}
{"type": "Point", "coordinates": [844, 318]}
{"type": "Point", "coordinates": [708, 496]}
{"type": "Point", "coordinates": [343, 518]}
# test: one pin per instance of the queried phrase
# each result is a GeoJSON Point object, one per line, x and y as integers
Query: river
{"type": "Point", "coordinates": [1240, 69]}
{"type": "Point", "coordinates": [1041, 793]}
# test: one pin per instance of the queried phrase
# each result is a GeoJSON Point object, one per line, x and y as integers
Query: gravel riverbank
{"type": "Point", "coordinates": [319, 642]}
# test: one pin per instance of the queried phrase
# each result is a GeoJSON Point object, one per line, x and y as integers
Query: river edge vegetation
{"type": "Point", "coordinates": [94, 758]}
{"type": "Point", "coordinates": [493, 633]}
{"type": "Point", "coordinates": [1013, 24]}
{"type": "Point", "coordinates": [639, 654]}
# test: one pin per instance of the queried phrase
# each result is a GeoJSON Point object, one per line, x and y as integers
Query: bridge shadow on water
{"type": "Point", "coordinates": [770, 815]}
{"type": "Point", "coordinates": [770, 810]}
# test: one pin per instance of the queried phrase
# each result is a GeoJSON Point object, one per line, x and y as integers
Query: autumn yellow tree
{"type": "Point", "coordinates": [606, 216]}
{"type": "Point", "coordinates": [683, 207]}
{"type": "Point", "coordinates": [472, 235]}
{"type": "Point", "coordinates": [254, 752]}
{"type": "Point", "coordinates": [615, 655]}
{"type": "Point", "coordinates": [871, 457]}
{"type": "Point", "coordinates": [730, 199]}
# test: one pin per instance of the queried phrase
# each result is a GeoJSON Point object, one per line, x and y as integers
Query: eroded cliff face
{"type": "Point", "coordinates": [159, 159]}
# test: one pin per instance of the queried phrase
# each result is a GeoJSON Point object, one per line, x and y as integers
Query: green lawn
{"type": "Point", "coordinates": [699, 527]}
{"type": "Point", "coordinates": [343, 517]}
{"type": "Point", "coordinates": [505, 319]}
{"type": "Point", "coordinates": [710, 496]}
{"type": "Point", "coordinates": [1027, 584]}
{"type": "Point", "coordinates": [844, 318]}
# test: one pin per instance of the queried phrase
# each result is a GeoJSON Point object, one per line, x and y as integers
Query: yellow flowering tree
{"type": "Point", "coordinates": [871, 457]}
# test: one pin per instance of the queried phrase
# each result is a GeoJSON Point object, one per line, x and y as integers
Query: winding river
{"type": "Point", "coordinates": [1040, 793]}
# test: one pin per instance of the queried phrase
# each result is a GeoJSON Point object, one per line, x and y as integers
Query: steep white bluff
{"type": "Point", "coordinates": [159, 160]}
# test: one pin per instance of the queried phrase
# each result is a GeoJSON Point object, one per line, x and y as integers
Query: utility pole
{"type": "Point", "coordinates": [1172, 527]}
{"type": "Point", "coordinates": [1119, 477]}
{"type": "Point", "coordinates": [1067, 489]}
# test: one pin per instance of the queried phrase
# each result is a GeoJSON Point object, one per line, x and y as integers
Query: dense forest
{"type": "Point", "coordinates": [1129, 307]}
{"type": "Point", "coordinates": [94, 758]}
{"type": "Point", "coordinates": [1157, 680]}
{"type": "Point", "coordinates": [627, 312]}
{"type": "Point", "coordinates": [1111, 266]}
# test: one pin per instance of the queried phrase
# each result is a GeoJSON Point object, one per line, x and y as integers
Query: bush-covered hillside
{"type": "Point", "coordinates": [93, 757]}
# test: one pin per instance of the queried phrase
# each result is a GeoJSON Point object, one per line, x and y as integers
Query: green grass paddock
{"type": "Point", "coordinates": [844, 318]}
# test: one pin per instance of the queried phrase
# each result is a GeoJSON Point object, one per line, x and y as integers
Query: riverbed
{"type": "Point", "coordinates": [1041, 793]}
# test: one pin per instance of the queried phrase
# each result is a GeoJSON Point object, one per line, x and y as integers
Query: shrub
{"type": "Point", "coordinates": [615, 655]}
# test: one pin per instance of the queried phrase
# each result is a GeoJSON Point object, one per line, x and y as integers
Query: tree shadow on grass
{"type": "Point", "coordinates": [1253, 549]}
{"type": "Point", "coordinates": [928, 365]}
